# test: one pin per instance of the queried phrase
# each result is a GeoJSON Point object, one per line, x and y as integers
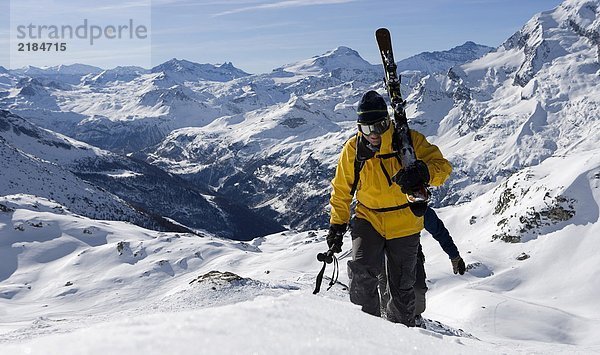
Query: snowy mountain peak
{"type": "Point", "coordinates": [125, 70]}
{"type": "Point", "coordinates": [442, 61]}
{"type": "Point", "coordinates": [298, 102]}
{"type": "Point", "coordinates": [227, 66]}
{"type": "Point", "coordinates": [69, 74]}
{"type": "Point", "coordinates": [29, 81]}
{"type": "Point", "coordinates": [175, 65]}
{"type": "Point", "coordinates": [72, 69]}
{"type": "Point", "coordinates": [34, 93]}
{"type": "Point", "coordinates": [520, 101]}
{"type": "Point", "coordinates": [3, 70]}
{"type": "Point", "coordinates": [470, 47]}
{"type": "Point", "coordinates": [579, 6]}
{"type": "Point", "coordinates": [339, 58]}
{"type": "Point", "coordinates": [342, 51]}
{"type": "Point", "coordinates": [342, 57]}
{"type": "Point", "coordinates": [120, 73]}
{"type": "Point", "coordinates": [31, 87]}
{"type": "Point", "coordinates": [184, 70]}
{"type": "Point", "coordinates": [583, 17]}
{"type": "Point", "coordinates": [28, 70]}
{"type": "Point", "coordinates": [553, 34]}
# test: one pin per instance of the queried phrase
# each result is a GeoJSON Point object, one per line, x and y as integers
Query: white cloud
{"type": "Point", "coordinates": [145, 4]}
{"type": "Point", "coordinates": [202, 3]}
{"type": "Point", "coordinates": [37, 9]}
{"type": "Point", "coordinates": [282, 5]}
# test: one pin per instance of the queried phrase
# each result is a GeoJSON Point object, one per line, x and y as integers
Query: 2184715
{"type": "Point", "coordinates": [42, 47]}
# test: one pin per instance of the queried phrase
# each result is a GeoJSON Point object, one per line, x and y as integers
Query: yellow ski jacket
{"type": "Point", "coordinates": [374, 190]}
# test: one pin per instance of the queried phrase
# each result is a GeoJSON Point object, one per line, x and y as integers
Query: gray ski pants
{"type": "Point", "coordinates": [420, 285]}
{"type": "Point", "coordinates": [368, 250]}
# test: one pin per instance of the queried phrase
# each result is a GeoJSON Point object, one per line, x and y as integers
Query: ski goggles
{"type": "Point", "coordinates": [375, 128]}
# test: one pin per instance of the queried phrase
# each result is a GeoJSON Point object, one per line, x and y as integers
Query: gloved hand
{"type": "Point", "coordinates": [458, 265]}
{"type": "Point", "coordinates": [413, 177]}
{"type": "Point", "coordinates": [334, 237]}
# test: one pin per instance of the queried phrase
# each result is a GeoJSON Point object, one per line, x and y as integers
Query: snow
{"type": "Point", "coordinates": [122, 174]}
{"type": "Point", "coordinates": [227, 330]}
{"type": "Point", "coordinates": [341, 57]}
{"type": "Point", "coordinates": [440, 62]}
{"type": "Point", "coordinates": [73, 69]}
{"type": "Point", "coordinates": [187, 70]}
{"type": "Point", "coordinates": [104, 286]}
{"type": "Point", "coordinates": [533, 98]}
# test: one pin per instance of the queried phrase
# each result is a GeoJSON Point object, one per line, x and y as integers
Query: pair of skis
{"type": "Point", "coordinates": [404, 146]}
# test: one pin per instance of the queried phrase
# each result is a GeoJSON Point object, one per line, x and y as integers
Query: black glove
{"type": "Point", "coordinates": [413, 177]}
{"type": "Point", "coordinates": [458, 265]}
{"type": "Point", "coordinates": [334, 237]}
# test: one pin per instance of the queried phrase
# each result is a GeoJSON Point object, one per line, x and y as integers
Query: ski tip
{"type": "Point", "coordinates": [382, 30]}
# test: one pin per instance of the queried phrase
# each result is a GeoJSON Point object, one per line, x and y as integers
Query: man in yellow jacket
{"type": "Point", "coordinates": [383, 225]}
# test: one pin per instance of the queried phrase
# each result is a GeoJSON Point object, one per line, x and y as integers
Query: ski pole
{"type": "Point", "coordinates": [327, 258]}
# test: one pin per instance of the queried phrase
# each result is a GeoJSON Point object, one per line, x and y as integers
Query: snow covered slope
{"type": "Point", "coordinates": [183, 70]}
{"type": "Point", "coordinates": [71, 74]}
{"type": "Point", "coordinates": [536, 97]}
{"type": "Point", "coordinates": [24, 172]}
{"type": "Point", "coordinates": [439, 62]}
{"type": "Point", "coordinates": [103, 286]}
{"type": "Point", "coordinates": [246, 156]}
{"type": "Point", "coordinates": [127, 73]}
{"type": "Point", "coordinates": [31, 151]}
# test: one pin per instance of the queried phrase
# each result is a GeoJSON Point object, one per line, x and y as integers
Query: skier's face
{"type": "Point", "coordinates": [373, 131]}
{"type": "Point", "coordinates": [374, 138]}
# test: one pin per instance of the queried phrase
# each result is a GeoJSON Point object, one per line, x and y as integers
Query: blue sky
{"type": "Point", "coordinates": [258, 36]}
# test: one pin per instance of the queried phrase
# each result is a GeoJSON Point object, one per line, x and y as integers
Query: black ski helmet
{"type": "Point", "coordinates": [371, 108]}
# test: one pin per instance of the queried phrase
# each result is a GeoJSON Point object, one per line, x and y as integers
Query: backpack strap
{"type": "Point", "coordinates": [389, 209]}
{"type": "Point", "coordinates": [357, 167]}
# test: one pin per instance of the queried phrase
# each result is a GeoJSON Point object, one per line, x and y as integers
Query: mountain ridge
{"type": "Point", "coordinates": [199, 208]}
{"type": "Point", "coordinates": [442, 61]}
